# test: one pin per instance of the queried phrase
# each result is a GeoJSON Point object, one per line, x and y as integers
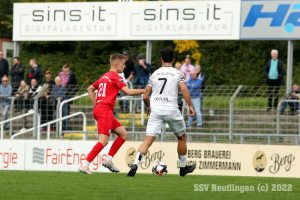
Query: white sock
{"type": "Point", "coordinates": [109, 158]}
{"type": "Point", "coordinates": [138, 159]}
{"type": "Point", "coordinates": [182, 160]}
{"type": "Point", "coordinates": [86, 164]}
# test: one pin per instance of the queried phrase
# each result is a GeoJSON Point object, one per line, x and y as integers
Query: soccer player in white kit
{"type": "Point", "coordinates": [164, 84]}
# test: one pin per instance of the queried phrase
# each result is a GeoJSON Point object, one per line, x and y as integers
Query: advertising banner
{"type": "Point", "coordinates": [201, 20]}
{"type": "Point", "coordinates": [270, 19]}
{"type": "Point", "coordinates": [217, 159]}
{"type": "Point", "coordinates": [12, 154]}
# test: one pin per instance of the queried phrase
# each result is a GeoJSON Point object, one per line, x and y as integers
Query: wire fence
{"type": "Point", "coordinates": [252, 114]}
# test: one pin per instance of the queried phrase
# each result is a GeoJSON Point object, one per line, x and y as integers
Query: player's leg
{"type": "Point", "coordinates": [120, 131]}
{"type": "Point", "coordinates": [154, 125]}
{"type": "Point", "coordinates": [177, 125]}
{"type": "Point", "coordinates": [104, 117]}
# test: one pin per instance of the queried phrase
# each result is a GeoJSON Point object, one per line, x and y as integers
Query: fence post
{"type": "Point", "coordinates": [11, 114]}
{"type": "Point", "coordinates": [231, 113]}
{"type": "Point", "coordinates": [57, 116]}
{"type": "Point", "coordinates": [36, 110]}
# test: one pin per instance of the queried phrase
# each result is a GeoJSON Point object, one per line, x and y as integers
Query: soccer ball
{"type": "Point", "coordinates": [160, 168]}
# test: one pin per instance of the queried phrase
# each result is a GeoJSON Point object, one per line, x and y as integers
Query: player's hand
{"type": "Point", "coordinates": [143, 91]}
{"type": "Point", "coordinates": [148, 111]}
{"type": "Point", "coordinates": [191, 110]}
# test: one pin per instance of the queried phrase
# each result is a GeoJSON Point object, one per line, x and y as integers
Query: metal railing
{"type": "Point", "coordinates": [19, 117]}
{"type": "Point", "coordinates": [52, 122]}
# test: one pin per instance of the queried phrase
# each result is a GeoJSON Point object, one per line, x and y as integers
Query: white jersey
{"type": "Point", "coordinates": [164, 83]}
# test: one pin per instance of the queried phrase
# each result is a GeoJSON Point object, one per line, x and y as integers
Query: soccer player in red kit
{"type": "Point", "coordinates": [108, 87]}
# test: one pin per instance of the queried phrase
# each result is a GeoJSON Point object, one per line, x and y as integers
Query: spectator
{"type": "Point", "coordinates": [177, 66]}
{"type": "Point", "coordinates": [187, 68]}
{"type": "Point", "coordinates": [34, 88]}
{"type": "Point", "coordinates": [274, 72]}
{"type": "Point", "coordinates": [22, 102]}
{"type": "Point", "coordinates": [49, 80]}
{"type": "Point", "coordinates": [3, 67]}
{"type": "Point", "coordinates": [17, 74]}
{"type": "Point", "coordinates": [202, 78]}
{"type": "Point", "coordinates": [5, 91]}
{"type": "Point", "coordinates": [142, 71]}
{"type": "Point", "coordinates": [58, 91]}
{"type": "Point", "coordinates": [35, 72]}
{"type": "Point", "coordinates": [68, 80]}
{"type": "Point", "coordinates": [194, 86]}
{"type": "Point", "coordinates": [293, 95]}
{"type": "Point", "coordinates": [47, 105]}
{"type": "Point", "coordinates": [128, 71]}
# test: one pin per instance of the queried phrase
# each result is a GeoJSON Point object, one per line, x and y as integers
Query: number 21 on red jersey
{"type": "Point", "coordinates": [102, 90]}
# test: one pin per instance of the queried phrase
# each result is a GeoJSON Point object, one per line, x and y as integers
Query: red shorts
{"type": "Point", "coordinates": [105, 120]}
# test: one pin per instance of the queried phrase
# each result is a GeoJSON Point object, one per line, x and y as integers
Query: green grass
{"type": "Point", "coordinates": [74, 185]}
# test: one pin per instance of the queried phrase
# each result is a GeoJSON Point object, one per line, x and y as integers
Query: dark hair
{"type": "Point", "coordinates": [17, 58]}
{"type": "Point", "coordinates": [294, 84]}
{"type": "Point", "coordinates": [167, 55]}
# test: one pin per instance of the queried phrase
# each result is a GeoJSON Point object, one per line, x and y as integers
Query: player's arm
{"type": "Point", "coordinates": [186, 94]}
{"type": "Point", "coordinates": [146, 98]}
{"type": "Point", "coordinates": [131, 92]}
{"type": "Point", "coordinates": [91, 91]}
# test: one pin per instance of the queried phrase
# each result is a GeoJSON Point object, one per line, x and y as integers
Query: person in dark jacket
{"type": "Point", "coordinates": [35, 72]}
{"type": "Point", "coordinates": [17, 74]}
{"type": "Point", "coordinates": [3, 67]}
{"type": "Point", "coordinates": [49, 80]}
{"type": "Point", "coordinates": [293, 95]}
{"type": "Point", "coordinates": [202, 78]}
{"type": "Point", "coordinates": [274, 72]}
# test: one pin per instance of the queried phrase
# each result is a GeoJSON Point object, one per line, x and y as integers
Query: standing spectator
{"type": "Point", "coordinates": [202, 78]}
{"type": "Point", "coordinates": [142, 71]}
{"type": "Point", "coordinates": [274, 72]}
{"type": "Point", "coordinates": [187, 68]}
{"type": "Point", "coordinates": [47, 106]}
{"type": "Point", "coordinates": [68, 80]}
{"type": "Point", "coordinates": [33, 91]}
{"type": "Point", "coordinates": [3, 67]}
{"type": "Point", "coordinates": [22, 102]}
{"type": "Point", "coordinates": [5, 91]}
{"type": "Point", "coordinates": [293, 95]}
{"type": "Point", "coordinates": [177, 66]}
{"type": "Point", "coordinates": [49, 80]}
{"type": "Point", "coordinates": [128, 71]}
{"type": "Point", "coordinates": [194, 86]}
{"type": "Point", "coordinates": [17, 74]}
{"type": "Point", "coordinates": [58, 91]}
{"type": "Point", "coordinates": [35, 72]}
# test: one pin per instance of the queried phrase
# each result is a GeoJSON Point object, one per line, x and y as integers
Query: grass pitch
{"type": "Point", "coordinates": [74, 185]}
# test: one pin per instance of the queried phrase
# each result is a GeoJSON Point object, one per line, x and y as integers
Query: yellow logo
{"type": "Point", "coordinates": [259, 161]}
{"type": "Point", "coordinates": [130, 156]}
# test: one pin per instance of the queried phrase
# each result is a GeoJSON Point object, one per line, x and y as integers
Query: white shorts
{"type": "Point", "coordinates": [175, 121]}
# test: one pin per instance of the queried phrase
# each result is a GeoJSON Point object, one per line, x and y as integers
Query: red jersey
{"type": "Point", "coordinates": [108, 87]}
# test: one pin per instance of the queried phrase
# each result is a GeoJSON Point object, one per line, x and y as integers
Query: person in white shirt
{"type": "Point", "coordinates": [164, 84]}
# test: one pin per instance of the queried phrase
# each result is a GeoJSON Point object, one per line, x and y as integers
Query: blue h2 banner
{"type": "Point", "coordinates": [270, 19]}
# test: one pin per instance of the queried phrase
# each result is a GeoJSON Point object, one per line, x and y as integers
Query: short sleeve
{"type": "Point", "coordinates": [96, 85]}
{"type": "Point", "coordinates": [120, 83]}
{"type": "Point", "coordinates": [181, 77]}
{"type": "Point", "coordinates": [150, 82]}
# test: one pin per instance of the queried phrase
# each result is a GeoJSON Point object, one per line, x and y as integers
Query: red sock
{"type": "Point", "coordinates": [95, 151]}
{"type": "Point", "coordinates": [116, 146]}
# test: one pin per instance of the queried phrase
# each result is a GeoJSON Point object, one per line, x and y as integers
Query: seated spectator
{"type": "Point", "coordinates": [194, 86]}
{"type": "Point", "coordinates": [33, 91]}
{"type": "Point", "coordinates": [22, 102]}
{"type": "Point", "coordinates": [293, 95]}
{"type": "Point", "coordinates": [187, 68]}
{"type": "Point", "coordinates": [47, 104]}
{"type": "Point", "coordinates": [68, 80]}
{"type": "Point", "coordinates": [58, 91]}
{"type": "Point", "coordinates": [5, 91]}
{"type": "Point", "coordinates": [49, 80]}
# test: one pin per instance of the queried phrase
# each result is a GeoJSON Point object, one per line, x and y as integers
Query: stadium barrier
{"type": "Point", "coordinates": [210, 159]}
